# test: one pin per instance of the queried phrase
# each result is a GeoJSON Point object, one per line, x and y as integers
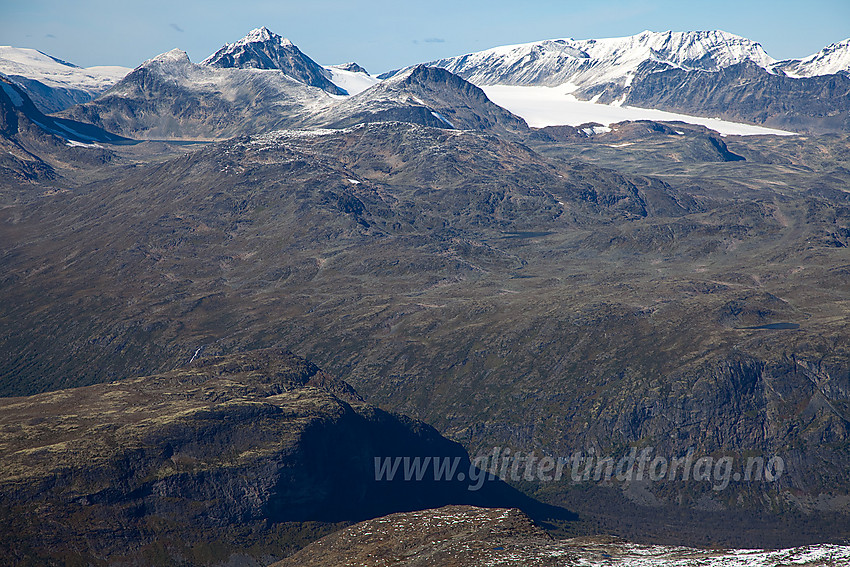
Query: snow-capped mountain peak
{"type": "Point", "coordinates": [832, 59]}
{"type": "Point", "coordinates": [350, 66]}
{"type": "Point", "coordinates": [263, 35]}
{"type": "Point", "coordinates": [263, 49]}
{"type": "Point", "coordinates": [258, 34]}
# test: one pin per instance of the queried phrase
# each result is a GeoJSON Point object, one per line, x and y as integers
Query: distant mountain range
{"type": "Point", "coordinates": [169, 97]}
{"type": "Point", "coordinates": [54, 84]}
{"type": "Point", "coordinates": [613, 63]}
{"type": "Point", "coordinates": [704, 73]}
{"type": "Point", "coordinates": [701, 73]}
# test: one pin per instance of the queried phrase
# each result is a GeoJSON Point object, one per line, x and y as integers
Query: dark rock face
{"type": "Point", "coordinates": [746, 92]}
{"type": "Point", "coordinates": [33, 145]}
{"type": "Point", "coordinates": [262, 49]}
{"type": "Point", "coordinates": [229, 453]}
{"type": "Point", "coordinates": [353, 67]}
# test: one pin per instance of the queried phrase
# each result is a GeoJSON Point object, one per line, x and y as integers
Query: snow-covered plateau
{"type": "Point", "coordinates": [53, 72]}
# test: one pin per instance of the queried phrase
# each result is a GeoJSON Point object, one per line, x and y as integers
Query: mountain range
{"type": "Point", "coordinates": [469, 285]}
{"type": "Point", "coordinates": [702, 73]}
{"type": "Point", "coordinates": [710, 73]}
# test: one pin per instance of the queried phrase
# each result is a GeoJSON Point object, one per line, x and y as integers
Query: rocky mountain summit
{"type": "Point", "coordinates": [264, 49]}
{"type": "Point", "coordinates": [428, 96]}
{"type": "Point", "coordinates": [170, 97]}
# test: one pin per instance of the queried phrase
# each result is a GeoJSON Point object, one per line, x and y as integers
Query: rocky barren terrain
{"type": "Point", "coordinates": [461, 536]}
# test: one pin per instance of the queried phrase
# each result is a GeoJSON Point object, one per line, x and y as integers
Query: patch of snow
{"type": "Point", "coordinates": [354, 182]}
{"type": "Point", "coordinates": [553, 106]}
{"type": "Point", "coordinates": [75, 144]}
{"type": "Point", "coordinates": [442, 118]}
{"type": "Point", "coordinates": [72, 132]}
{"type": "Point", "coordinates": [351, 81]}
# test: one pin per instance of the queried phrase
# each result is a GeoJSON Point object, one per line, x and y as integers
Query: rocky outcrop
{"type": "Point", "coordinates": [253, 453]}
{"type": "Point", "coordinates": [452, 536]}
{"type": "Point", "coordinates": [464, 536]}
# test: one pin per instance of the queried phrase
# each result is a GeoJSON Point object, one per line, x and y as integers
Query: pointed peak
{"type": "Point", "coordinates": [264, 49]}
{"type": "Point", "coordinates": [263, 35]}
{"type": "Point", "coordinates": [260, 34]}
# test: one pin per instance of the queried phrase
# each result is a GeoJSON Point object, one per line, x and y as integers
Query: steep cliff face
{"type": "Point", "coordinates": [249, 455]}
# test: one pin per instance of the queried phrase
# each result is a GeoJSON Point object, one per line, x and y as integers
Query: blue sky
{"type": "Point", "coordinates": [383, 35]}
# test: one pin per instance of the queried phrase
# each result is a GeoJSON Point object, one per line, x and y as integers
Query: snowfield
{"type": "Point", "coordinates": [53, 72]}
{"type": "Point", "coordinates": [555, 106]}
{"type": "Point", "coordinates": [353, 82]}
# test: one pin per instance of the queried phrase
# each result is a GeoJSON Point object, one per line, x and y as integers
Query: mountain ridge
{"type": "Point", "coordinates": [168, 96]}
